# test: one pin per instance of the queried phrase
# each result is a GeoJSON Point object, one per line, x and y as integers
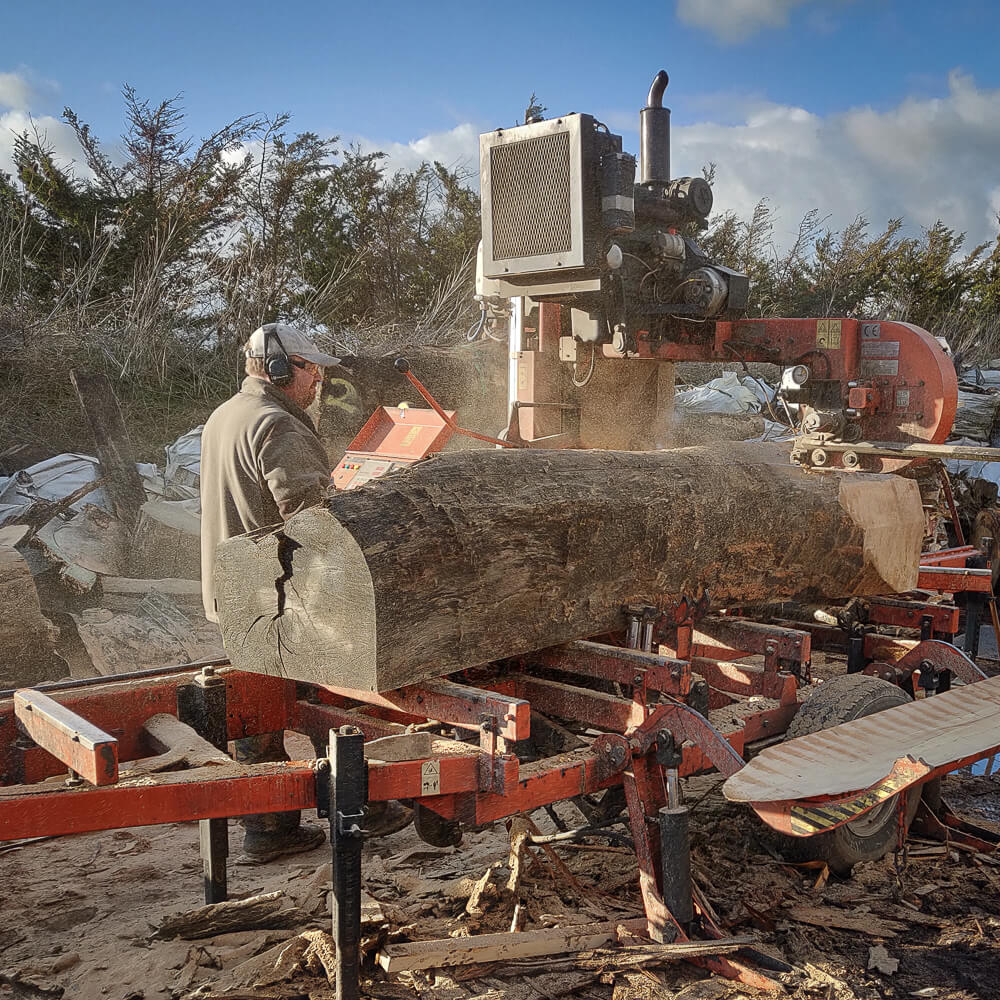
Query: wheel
{"type": "Point", "coordinates": [872, 835]}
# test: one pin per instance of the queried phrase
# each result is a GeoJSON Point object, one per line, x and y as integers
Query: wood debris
{"type": "Point", "coordinates": [881, 961]}
{"type": "Point", "coordinates": [830, 916]}
{"type": "Point", "coordinates": [266, 911]}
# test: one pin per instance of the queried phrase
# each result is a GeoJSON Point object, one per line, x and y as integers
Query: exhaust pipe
{"type": "Point", "coordinates": [654, 135]}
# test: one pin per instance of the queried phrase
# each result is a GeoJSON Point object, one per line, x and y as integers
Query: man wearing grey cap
{"type": "Point", "coordinates": [261, 462]}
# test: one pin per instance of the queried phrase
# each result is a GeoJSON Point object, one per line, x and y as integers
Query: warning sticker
{"type": "Point", "coordinates": [880, 349]}
{"type": "Point", "coordinates": [872, 367]}
{"type": "Point", "coordinates": [806, 820]}
{"type": "Point", "coordinates": [430, 777]}
{"type": "Point", "coordinates": [410, 436]}
{"type": "Point", "coordinates": [871, 331]}
{"type": "Point", "coordinates": [828, 333]}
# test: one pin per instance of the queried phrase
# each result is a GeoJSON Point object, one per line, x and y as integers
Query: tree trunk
{"type": "Point", "coordinates": [479, 555]}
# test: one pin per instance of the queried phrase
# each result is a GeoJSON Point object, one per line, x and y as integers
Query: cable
{"type": "Point", "coordinates": [590, 372]}
{"type": "Point", "coordinates": [477, 328]}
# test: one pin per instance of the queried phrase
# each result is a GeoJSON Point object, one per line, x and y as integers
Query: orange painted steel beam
{"type": "Point", "coordinates": [453, 704]}
{"type": "Point", "coordinates": [904, 614]}
{"type": "Point", "coordinates": [317, 720]}
{"type": "Point", "coordinates": [440, 775]}
{"type": "Point", "coordinates": [954, 579]}
{"type": "Point", "coordinates": [175, 797]}
{"type": "Point", "coordinates": [567, 701]}
{"type": "Point", "coordinates": [76, 743]}
{"type": "Point", "coordinates": [954, 557]}
{"type": "Point", "coordinates": [625, 666]}
{"type": "Point", "coordinates": [255, 703]}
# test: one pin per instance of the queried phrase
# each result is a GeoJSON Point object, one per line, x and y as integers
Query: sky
{"type": "Point", "coordinates": [881, 108]}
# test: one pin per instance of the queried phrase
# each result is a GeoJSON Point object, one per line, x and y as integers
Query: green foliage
{"type": "Point", "coordinates": [156, 261]}
{"type": "Point", "coordinates": [177, 248]}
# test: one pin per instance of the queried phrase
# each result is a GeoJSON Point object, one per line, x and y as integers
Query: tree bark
{"type": "Point", "coordinates": [480, 555]}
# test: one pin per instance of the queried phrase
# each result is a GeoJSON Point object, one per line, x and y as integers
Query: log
{"type": "Point", "coordinates": [474, 556]}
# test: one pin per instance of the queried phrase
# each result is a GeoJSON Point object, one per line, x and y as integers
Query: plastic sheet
{"type": "Point", "coordinates": [182, 475]}
{"type": "Point", "coordinates": [726, 394]}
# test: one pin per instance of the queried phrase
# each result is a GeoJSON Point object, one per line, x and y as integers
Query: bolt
{"type": "Point", "coordinates": [208, 671]}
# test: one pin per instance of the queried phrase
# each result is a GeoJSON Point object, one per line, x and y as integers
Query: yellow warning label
{"type": "Point", "coordinates": [430, 777]}
{"type": "Point", "coordinates": [410, 436]}
{"type": "Point", "coordinates": [807, 820]}
{"type": "Point", "coordinates": [828, 333]}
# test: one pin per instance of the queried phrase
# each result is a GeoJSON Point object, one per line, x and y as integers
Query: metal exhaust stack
{"type": "Point", "coordinates": [654, 135]}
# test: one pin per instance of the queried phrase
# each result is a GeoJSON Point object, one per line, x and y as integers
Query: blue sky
{"type": "Point", "coordinates": [881, 107]}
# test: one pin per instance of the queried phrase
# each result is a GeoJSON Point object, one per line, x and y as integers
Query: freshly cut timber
{"type": "Point", "coordinates": [477, 555]}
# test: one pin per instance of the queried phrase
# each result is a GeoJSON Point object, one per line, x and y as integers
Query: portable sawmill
{"type": "Point", "coordinates": [602, 285]}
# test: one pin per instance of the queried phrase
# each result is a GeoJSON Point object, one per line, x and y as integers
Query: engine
{"type": "Point", "coordinates": [565, 220]}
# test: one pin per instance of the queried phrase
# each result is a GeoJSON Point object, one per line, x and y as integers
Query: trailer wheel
{"type": "Point", "coordinates": [874, 834]}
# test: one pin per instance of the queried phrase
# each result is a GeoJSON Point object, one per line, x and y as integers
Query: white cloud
{"type": "Point", "coordinates": [923, 160]}
{"type": "Point", "coordinates": [735, 20]}
{"type": "Point", "coordinates": [55, 134]}
{"type": "Point", "coordinates": [22, 94]}
{"type": "Point", "coordinates": [457, 149]}
{"type": "Point", "coordinates": [15, 92]}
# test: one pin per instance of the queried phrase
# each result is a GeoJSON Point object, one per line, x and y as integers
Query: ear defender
{"type": "Point", "coordinates": [277, 365]}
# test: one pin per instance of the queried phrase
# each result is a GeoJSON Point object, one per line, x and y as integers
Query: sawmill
{"type": "Point", "coordinates": [448, 611]}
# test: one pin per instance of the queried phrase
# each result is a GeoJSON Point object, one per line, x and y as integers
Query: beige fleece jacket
{"type": "Point", "coordinates": [261, 461]}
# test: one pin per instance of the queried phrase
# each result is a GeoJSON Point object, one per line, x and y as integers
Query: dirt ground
{"type": "Point", "coordinates": [78, 915]}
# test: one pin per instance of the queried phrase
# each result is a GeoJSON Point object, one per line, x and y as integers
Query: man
{"type": "Point", "coordinates": [261, 461]}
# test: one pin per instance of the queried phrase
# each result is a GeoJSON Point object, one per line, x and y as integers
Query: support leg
{"type": "Point", "coordinates": [973, 619]}
{"type": "Point", "coordinates": [202, 705]}
{"type": "Point", "coordinates": [348, 792]}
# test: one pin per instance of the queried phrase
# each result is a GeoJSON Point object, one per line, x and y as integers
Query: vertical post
{"type": "Point", "coordinates": [675, 862]}
{"type": "Point", "coordinates": [974, 605]}
{"type": "Point", "coordinates": [202, 706]}
{"type": "Point", "coordinates": [856, 654]}
{"type": "Point", "coordinates": [348, 793]}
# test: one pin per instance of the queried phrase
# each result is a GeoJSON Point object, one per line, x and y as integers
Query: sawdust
{"type": "Point", "coordinates": [79, 913]}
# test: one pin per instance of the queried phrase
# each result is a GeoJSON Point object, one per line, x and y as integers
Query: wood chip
{"type": "Point", "coordinates": [863, 923]}
{"type": "Point", "coordinates": [881, 961]}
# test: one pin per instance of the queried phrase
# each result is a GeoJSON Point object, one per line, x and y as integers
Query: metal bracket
{"type": "Point", "coordinates": [349, 824]}
{"type": "Point", "coordinates": [322, 773]}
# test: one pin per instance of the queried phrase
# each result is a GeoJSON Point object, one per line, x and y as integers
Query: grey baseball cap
{"type": "Point", "coordinates": [265, 340]}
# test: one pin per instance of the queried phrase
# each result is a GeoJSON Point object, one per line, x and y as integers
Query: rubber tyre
{"type": "Point", "coordinates": [872, 836]}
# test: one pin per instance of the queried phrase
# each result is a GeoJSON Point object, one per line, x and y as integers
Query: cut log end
{"type": "Point", "coordinates": [302, 608]}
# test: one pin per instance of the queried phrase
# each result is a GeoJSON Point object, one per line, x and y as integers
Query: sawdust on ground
{"type": "Point", "coordinates": [79, 913]}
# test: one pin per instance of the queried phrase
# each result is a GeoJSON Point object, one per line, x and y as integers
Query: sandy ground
{"type": "Point", "coordinates": [78, 914]}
